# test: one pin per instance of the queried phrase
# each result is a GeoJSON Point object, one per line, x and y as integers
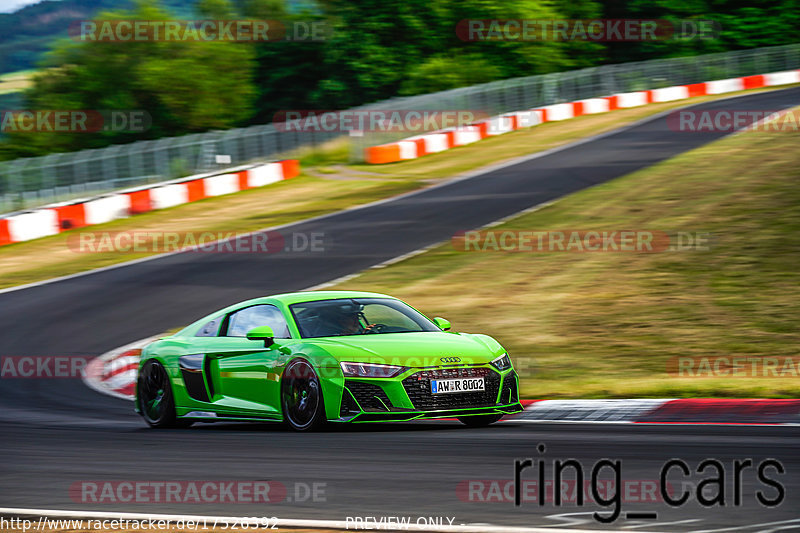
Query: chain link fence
{"type": "Point", "coordinates": [30, 182]}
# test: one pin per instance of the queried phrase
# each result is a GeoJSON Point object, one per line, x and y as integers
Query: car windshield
{"type": "Point", "coordinates": [357, 316]}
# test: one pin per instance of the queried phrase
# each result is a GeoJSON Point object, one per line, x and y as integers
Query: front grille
{"type": "Point", "coordinates": [418, 388]}
{"type": "Point", "coordinates": [510, 392]}
{"type": "Point", "coordinates": [369, 396]}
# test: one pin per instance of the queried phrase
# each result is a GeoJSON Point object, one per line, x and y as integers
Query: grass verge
{"type": "Point", "coordinates": [16, 81]}
{"type": "Point", "coordinates": [605, 325]}
{"type": "Point", "coordinates": [326, 185]}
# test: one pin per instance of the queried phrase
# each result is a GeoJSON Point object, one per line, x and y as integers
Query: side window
{"type": "Point", "coordinates": [240, 322]}
{"type": "Point", "coordinates": [211, 329]}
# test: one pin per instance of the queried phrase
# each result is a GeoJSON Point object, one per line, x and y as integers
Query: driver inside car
{"type": "Point", "coordinates": [352, 320]}
{"type": "Point", "coordinates": [345, 319]}
{"type": "Point", "coordinates": [350, 324]}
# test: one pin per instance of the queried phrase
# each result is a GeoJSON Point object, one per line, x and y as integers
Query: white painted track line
{"type": "Point", "coordinates": [289, 523]}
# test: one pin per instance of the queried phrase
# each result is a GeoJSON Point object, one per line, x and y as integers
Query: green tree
{"type": "Point", "coordinates": [288, 69]}
{"type": "Point", "coordinates": [440, 73]}
{"type": "Point", "coordinates": [185, 86]}
{"type": "Point", "coordinates": [215, 9]}
{"type": "Point", "coordinates": [377, 44]}
{"type": "Point", "coordinates": [381, 48]}
{"type": "Point", "coordinates": [741, 25]}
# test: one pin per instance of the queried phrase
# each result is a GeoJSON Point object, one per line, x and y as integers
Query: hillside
{"type": "Point", "coordinates": [26, 35]}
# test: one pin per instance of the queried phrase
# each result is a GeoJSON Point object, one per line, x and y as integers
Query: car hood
{"type": "Point", "coordinates": [412, 349]}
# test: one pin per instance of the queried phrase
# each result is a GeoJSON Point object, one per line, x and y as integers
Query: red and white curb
{"type": "Point", "coordinates": [756, 411]}
{"type": "Point", "coordinates": [114, 373]}
{"type": "Point", "coordinates": [57, 218]}
{"type": "Point", "coordinates": [439, 141]}
{"type": "Point", "coordinates": [609, 411]}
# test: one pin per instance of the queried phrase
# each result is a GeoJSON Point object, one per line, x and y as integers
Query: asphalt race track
{"type": "Point", "coordinates": [56, 432]}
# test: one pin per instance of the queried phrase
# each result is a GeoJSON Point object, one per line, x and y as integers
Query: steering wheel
{"type": "Point", "coordinates": [375, 328]}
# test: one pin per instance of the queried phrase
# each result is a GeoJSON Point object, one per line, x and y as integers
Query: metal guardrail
{"type": "Point", "coordinates": [30, 182]}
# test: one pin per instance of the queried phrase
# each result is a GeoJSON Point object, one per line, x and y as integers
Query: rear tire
{"type": "Point", "coordinates": [301, 397]}
{"type": "Point", "coordinates": [479, 421]}
{"type": "Point", "coordinates": [156, 402]}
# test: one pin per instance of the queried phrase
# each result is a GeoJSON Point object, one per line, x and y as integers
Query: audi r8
{"type": "Point", "coordinates": [312, 358]}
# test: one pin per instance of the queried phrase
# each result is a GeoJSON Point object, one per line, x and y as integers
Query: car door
{"type": "Point", "coordinates": [245, 375]}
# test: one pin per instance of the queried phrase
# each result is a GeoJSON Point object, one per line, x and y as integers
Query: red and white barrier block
{"type": "Point", "coordinates": [57, 218]}
{"type": "Point", "coordinates": [421, 145]}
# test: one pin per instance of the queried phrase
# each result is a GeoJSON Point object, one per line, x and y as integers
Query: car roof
{"type": "Point", "coordinates": [310, 296]}
{"type": "Point", "coordinates": [287, 298]}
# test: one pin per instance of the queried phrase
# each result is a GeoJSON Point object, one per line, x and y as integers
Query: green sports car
{"type": "Point", "coordinates": [310, 358]}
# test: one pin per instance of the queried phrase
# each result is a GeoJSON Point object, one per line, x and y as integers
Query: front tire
{"type": "Point", "coordinates": [479, 421]}
{"type": "Point", "coordinates": [301, 397]}
{"type": "Point", "coordinates": [156, 402]}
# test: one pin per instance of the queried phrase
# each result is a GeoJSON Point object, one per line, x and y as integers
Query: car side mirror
{"type": "Point", "coordinates": [262, 333]}
{"type": "Point", "coordinates": [443, 323]}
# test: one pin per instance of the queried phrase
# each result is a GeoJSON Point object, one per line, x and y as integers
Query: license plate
{"type": "Point", "coordinates": [444, 386]}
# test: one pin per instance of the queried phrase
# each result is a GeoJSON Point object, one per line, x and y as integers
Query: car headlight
{"type": "Point", "coordinates": [502, 363]}
{"type": "Point", "coordinates": [369, 370]}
